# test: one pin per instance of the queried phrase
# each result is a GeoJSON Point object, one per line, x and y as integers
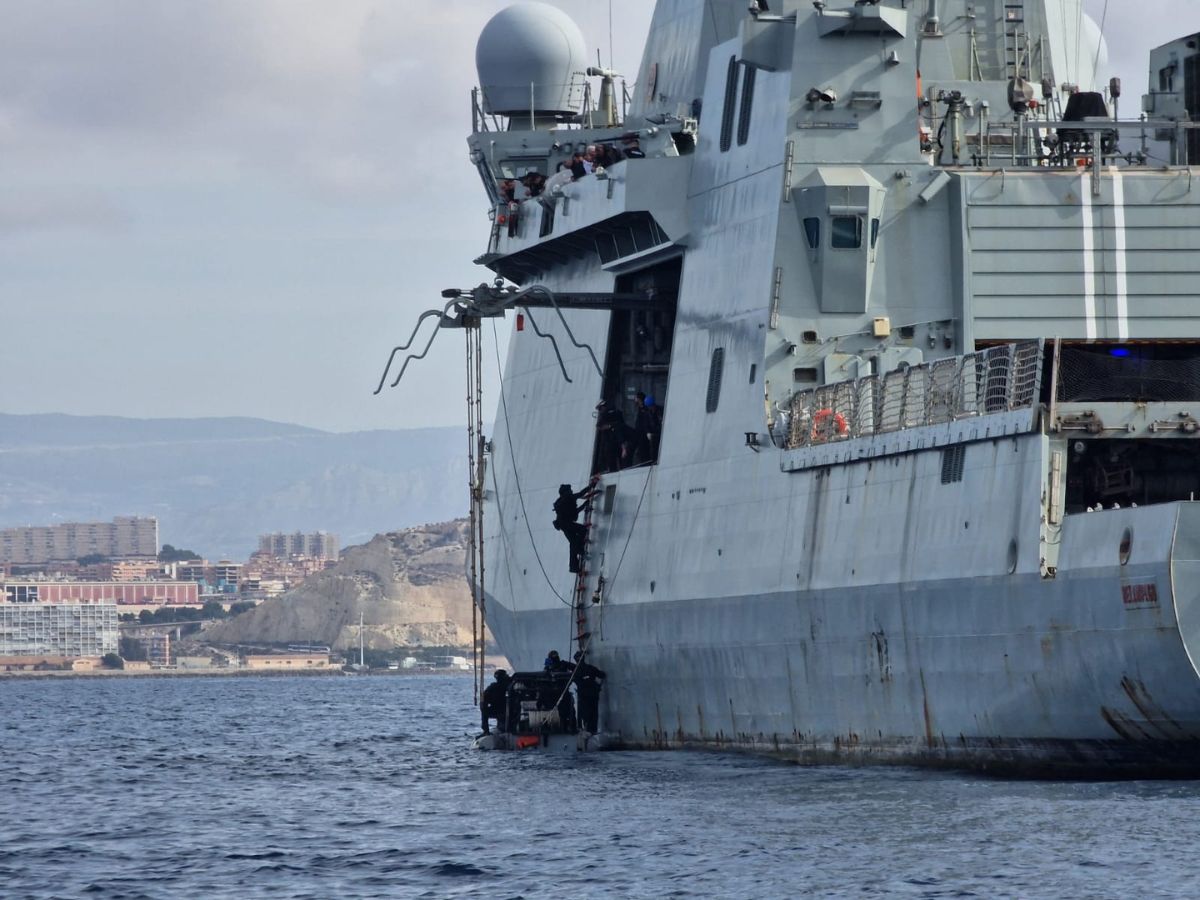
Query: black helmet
{"type": "Point", "coordinates": [501, 675]}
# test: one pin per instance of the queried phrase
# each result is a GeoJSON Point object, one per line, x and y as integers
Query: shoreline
{"type": "Point", "coordinates": [226, 673]}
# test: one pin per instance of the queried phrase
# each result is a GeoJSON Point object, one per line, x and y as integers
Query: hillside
{"type": "Point", "coordinates": [215, 484]}
{"type": "Point", "coordinates": [409, 585]}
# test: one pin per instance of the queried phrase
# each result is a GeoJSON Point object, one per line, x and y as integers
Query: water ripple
{"type": "Point", "coordinates": [311, 788]}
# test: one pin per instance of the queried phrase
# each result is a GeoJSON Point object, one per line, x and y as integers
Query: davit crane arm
{"type": "Point", "coordinates": [466, 307]}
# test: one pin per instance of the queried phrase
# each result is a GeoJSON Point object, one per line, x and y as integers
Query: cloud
{"type": "Point", "coordinates": [50, 209]}
{"type": "Point", "coordinates": [360, 101]}
{"type": "Point", "coordinates": [282, 184]}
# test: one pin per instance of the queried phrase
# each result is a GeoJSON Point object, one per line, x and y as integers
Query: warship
{"type": "Point", "coordinates": [916, 315]}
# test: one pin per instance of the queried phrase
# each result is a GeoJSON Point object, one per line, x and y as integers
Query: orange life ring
{"type": "Point", "coordinates": [820, 424]}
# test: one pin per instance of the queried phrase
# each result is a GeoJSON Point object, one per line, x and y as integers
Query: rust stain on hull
{"type": "Point", "coordinates": [1124, 726]}
{"type": "Point", "coordinates": [1154, 714]}
{"type": "Point", "coordinates": [928, 719]}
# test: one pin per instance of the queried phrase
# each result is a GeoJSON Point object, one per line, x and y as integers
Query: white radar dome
{"type": "Point", "coordinates": [1095, 61]}
{"type": "Point", "coordinates": [529, 44]}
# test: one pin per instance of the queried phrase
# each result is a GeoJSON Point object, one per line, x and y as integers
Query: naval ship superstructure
{"type": "Point", "coordinates": [922, 315]}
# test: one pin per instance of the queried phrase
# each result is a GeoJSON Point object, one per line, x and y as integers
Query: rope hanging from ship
{"type": "Point", "coordinates": [475, 469]}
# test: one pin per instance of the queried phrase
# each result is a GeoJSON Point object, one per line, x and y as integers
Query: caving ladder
{"type": "Point", "coordinates": [582, 632]}
{"type": "Point", "coordinates": [475, 471]}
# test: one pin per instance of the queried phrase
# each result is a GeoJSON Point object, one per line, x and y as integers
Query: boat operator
{"type": "Point", "coordinates": [494, 702]}
{"type": "Point", "coordinates": [588, 681]}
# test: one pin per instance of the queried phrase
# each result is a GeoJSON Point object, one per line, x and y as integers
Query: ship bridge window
{"type": "Point", "coordinates": [637, 362]}
{"type": "Point", "coordinates": [812, 232]}
{"type": "Point", "coordinates": [874, 233]}
{"type": "Point", "coordinates": [845, 232]}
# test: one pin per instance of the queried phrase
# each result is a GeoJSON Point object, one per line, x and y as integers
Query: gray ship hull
{"type": "Point", "coordinates": [914, 366]}
{"type": "Point", "coordinates": [1089, 673]}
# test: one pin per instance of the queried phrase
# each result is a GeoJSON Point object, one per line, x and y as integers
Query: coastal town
{"type": "Point", "coordinates": [108, 597]}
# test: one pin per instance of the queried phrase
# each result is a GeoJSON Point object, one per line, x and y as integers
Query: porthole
{"type": "Point", "coordinates": [1012, 556]}
{"type": "Point", "coordinates": [1126, 548]}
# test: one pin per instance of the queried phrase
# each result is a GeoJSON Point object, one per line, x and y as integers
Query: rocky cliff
{"type": "Point", "coordinates": [409, 585]}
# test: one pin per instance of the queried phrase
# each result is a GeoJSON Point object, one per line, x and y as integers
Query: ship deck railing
{"type": "Point", "coordinates": [1073, 144]}
{"type": "Point", "coordinates": [579, 97]}
{"type": "Point", "coordinates": [999, 379]}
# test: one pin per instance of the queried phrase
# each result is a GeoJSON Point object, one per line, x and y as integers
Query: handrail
{"type": "Point", "coordinates": [999, 379]}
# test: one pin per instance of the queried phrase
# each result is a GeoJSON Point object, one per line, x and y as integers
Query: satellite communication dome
{"type": "Point", "coordinates": [529, 44]}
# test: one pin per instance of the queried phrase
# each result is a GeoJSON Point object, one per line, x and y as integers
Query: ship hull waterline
{"type": "Point", "coordinates": [1039, 687]}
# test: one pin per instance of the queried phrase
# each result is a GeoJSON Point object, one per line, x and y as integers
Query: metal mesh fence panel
{"type": "Point", "coordinates": [1090, 376]}
{"type": "Point", "coordinates": [943, 390]}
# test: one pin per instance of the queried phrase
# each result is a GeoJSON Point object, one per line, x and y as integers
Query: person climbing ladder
{"type": "Point", "coordinates": [566, 520]}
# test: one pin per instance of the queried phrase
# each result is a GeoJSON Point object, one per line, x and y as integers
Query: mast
{"type": "Point", "coordinates": [360, 640]}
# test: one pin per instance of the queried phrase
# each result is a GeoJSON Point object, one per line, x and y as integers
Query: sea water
{"type": "Point", "coordinates": [367, 787]}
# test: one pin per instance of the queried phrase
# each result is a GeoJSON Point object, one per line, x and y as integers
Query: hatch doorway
{"type": "Point", "coordinates": [637, 361]}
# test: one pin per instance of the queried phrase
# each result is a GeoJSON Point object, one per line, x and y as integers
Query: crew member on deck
{"type": "Point", "coordinates": [613, 437]}
{"type": "Point", "coordinates": [644, 428]}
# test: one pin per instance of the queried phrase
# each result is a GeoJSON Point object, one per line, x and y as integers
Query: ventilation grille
{"type": "Point", "coordinates": [952, 463]}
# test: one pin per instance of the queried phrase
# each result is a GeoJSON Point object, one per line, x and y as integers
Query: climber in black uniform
{"type": "Point", "coordinates": [566, 520]}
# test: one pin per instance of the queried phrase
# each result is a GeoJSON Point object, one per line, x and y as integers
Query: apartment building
{"type": "Point", "coordinates": [123, 536]}
{"type": "Point", "coordinates": [58, 629]}
{"type": "Point", "coordinates": [162, 593]}
{"type": "Point", "coordinates": [283, 545]}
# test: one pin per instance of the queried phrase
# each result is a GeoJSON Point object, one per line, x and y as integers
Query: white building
{"type": "Point", "coordinates": [58, 629]}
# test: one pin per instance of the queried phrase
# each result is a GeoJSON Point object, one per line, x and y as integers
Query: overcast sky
{"type": "Point", "coordinates": [236, 207]}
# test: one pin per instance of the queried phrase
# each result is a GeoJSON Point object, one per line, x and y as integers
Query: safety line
{"type": "Point", "coordinates": [516, 475]}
